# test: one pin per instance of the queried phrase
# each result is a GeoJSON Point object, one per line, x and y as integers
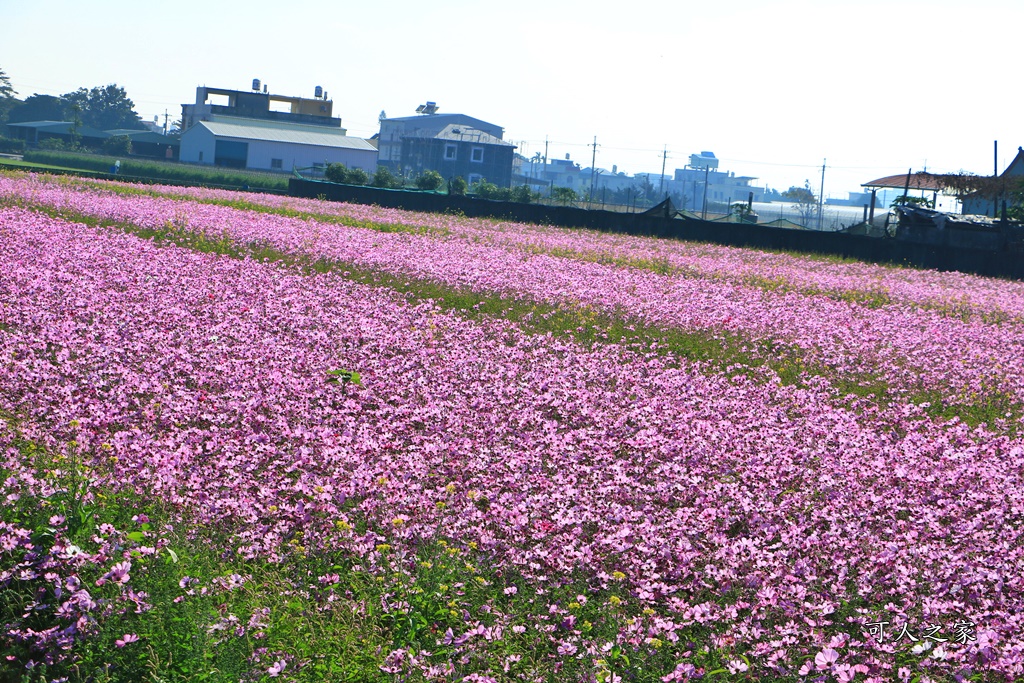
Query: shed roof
{"type": "Point", "coordinates": [918, 181]}
{"type": "Point", "coordinates": [60, 128]}
{"type": "Point", "coordinates": [296, 137]}
{"type": "Point", "coordinates": [459, 133]}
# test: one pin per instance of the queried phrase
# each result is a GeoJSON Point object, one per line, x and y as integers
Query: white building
{"type": "Point", "coordinates": [248, 143]}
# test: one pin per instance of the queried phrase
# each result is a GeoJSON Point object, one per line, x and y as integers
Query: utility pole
{"type": "Point", "coordinates": [166, 116]}
{"type": "Point", "coordinates": [821, 192]}
{"type": "Point", "coordinates": [995, 174]}
{"type": "Point", "coordinates": [704, 202]}
{"type": "Point", "coordinates": [664, 156]}
{"type": "Point", "coordinates": [593, 163]}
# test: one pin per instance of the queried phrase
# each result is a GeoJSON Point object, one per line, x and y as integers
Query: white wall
{"type": "Point", "coordinates": [198, 146]}
{"type": "Point", "coordinates": [196, 140]}
{"type": "Point", "coordinates": [303, 156]}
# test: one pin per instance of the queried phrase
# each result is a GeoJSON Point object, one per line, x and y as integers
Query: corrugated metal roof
{"type": "Point", "coordinates": [61, 128]}
{"type": "Point", "coordinates": [296, 137]}
{"type": "Point", "coordinates": [470, 134]}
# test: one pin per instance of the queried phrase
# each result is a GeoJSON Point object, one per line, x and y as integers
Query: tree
{"type": "Point", "coordinates": [430, 180]}
{"type": "Point", "coordinates": [358, 176]}
{"type": "Point", "coordinates": [38, 108]}
{"type": "Point", "coordinates": [8, 101]}
{"type": "Point", "coordinates": [385, 178]}
{"type": "Point", "coordinates": [486, 190]}
{"type": "Point", "coordinates": [804, 201]}
{"type": "Point", "coordinates": [903, 200]}
{"type": "Point", "coordinates": [995, 188]}
{"type": "Point", "coordinates": [564, 195]}
{"type": "Point", "coordinates": [522, 194]}
{"type": "Point", "coordinates": [339, 173]}
{"type": "Point", "coordinates": [457, 186]}
{"type": "Point", "coordinates": [118, 145]}
{"type": "Point", "coordinates": [741, 210]}
{"type": "Point", "coordinates": [6, 89]}
{"type": "Point", "coordinates": [104, 108]}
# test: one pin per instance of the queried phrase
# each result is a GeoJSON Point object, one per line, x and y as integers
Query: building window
{"type": "Point", "coordinates": [450, 152]}
{"type": "Point", "coordinates": [477, 155]}
{"type": "Point", "coordinates": [200, 155]}
{"type": "Point", "coordinates": [276, 163]}
{"type": "Point", "coordinates": [475, 178]}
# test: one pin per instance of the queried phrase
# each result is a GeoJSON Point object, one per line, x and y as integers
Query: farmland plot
{"type": "Point", "coordinates": [219, 464]}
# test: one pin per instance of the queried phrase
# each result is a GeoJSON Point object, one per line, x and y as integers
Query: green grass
{"type": "Point", "coordinates": [14, 164]}
{"type": "Point", "coordinates": [136, 169]}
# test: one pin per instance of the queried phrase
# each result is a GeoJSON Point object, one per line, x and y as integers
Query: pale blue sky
{"type": "Point", "coordinates": [771, 87]}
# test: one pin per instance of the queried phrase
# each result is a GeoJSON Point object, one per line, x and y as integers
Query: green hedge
{"type": "Point", "coordinates": [11, 145]}
{"type": "Point", "coordinates": [175, 173]}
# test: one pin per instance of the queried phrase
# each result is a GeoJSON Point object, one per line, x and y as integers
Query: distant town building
{"type": "Point", "coordinates": [723, 188]}
{"type": "Point", "coordinates": [445, 143]}
{"type": "Point", "coordinates": [459, 150]}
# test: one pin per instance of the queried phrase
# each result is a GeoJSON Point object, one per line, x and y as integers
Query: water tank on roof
{"type": "Point", "coordinates": [318, 92]}
{"type": "Point", "coordinates": [256, 84]}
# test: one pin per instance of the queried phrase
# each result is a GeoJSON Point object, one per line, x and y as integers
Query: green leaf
{"type": "Point", "coordinates": [136, 536]}
{"type": "Point", "coordinates": [174, 555]}
{"type": "Point", "coordinates": [343, 376]}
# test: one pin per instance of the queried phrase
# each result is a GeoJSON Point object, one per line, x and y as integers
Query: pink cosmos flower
{"type": "Point", "coordinates": [125, 639]}
{"type": "Point", "coordinates": [826, 658]}
{"type": "Point", "coordinates": [119, 572]}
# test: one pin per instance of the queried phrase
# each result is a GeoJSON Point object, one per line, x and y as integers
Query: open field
{"type": "Point", "coordinates": [142, 169]}
{"type": "Point", "coordinates": [20, 165]}
{"type": "Point", "coordinates": [248, 437]}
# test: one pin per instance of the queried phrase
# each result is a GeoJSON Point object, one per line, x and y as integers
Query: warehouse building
{"type": "Point", "coordinates": [245, 144]}
{"type": "Point", "coordinates": [263, 131]}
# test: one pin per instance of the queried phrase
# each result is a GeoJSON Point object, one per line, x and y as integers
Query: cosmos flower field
{"type": "Point", "coordinates": [255, 438]}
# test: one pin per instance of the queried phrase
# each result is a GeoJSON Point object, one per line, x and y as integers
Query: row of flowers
{"type": "Point", "coordinates": [948, 292]}
{"type": "Point", "coordinates": [916, 353]}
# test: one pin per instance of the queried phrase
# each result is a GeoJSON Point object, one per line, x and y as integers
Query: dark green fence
{"type": "Point", "coordinates": [1006, 261]}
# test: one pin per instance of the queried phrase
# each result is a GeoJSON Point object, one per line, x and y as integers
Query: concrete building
{"type": "Point", "coordinates": [723, 188]}
{"type": "Point", "coordinates": [213, 104]}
